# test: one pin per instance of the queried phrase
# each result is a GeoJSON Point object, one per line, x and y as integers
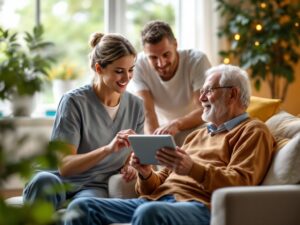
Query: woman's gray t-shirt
{"type": "Point", "coordinates": [81, 120]}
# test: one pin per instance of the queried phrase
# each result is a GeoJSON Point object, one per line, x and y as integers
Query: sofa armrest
{"type": "Point", "coordinates": [256, 205]}
{"type": "Point", "coordinates": [118, 188]}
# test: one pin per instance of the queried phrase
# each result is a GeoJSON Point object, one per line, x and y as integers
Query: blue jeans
{"type": "Point", "coordinates": [43, 184]}
{"type": "Point", "coordinates": [138, 211]}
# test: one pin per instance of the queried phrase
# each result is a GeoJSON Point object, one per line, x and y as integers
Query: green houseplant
{"type": "Point", "coordinates": [39, 212]}
{"type": "Point", "coordinates": [263, 37]}
{"type": "Point", "coordinates": [24, 63]}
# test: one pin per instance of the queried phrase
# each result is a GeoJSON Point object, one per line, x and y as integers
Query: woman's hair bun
{"type": "Point", "coordinates": [95, 38]}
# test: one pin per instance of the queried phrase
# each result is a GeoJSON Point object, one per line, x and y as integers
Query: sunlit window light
{"type": "Point", "coordinates": [9, 18]}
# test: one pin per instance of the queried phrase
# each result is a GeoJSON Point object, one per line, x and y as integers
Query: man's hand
{"type": "Point", "coordinates": [170, 128]}
{"type": "Point", "coordinates": [175, 159]}
{"type": "Point", "coordinates": [144, 170]}
{"type": "Point", "coordinates": [128, 173]}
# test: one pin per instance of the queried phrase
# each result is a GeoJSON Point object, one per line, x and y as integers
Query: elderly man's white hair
{"type": "Point", "coordinates": [233, 76]}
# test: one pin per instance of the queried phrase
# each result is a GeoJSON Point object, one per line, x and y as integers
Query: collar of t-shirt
{"type": "Point", "coordinates": [212, 129]}
{"type": "Point", "coordinates": [112, 111]}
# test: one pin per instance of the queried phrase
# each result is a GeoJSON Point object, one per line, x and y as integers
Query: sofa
{"type": "Point", "coordinates": [276, 201]}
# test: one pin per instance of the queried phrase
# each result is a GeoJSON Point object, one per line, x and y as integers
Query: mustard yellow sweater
{"type": "Point", "coordinates": [237, 157]}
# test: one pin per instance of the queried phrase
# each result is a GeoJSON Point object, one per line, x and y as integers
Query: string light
{"type": "Point", "coordinates": [237, 37]}
{"type": "Point", "coordinates": [256, 43]}
{"type": "Point", "coordinates": [258, 27]}
{"type": "Point", "coordinates": [296, 24]}
{"type": "Point", "coordinates": [263, 5]}
{"type": "Point", "coordinates": [226, 60]}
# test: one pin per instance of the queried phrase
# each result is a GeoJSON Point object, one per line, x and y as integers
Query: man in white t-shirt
{"type": "Point", "coordinates": [168, 80]}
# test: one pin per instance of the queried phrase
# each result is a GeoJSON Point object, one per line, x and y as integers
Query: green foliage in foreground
{"type": "Point", "coordinates": [40, 212]}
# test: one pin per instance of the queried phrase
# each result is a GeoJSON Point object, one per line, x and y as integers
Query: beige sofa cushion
{"type": "Point", "coordinates": [118, 188]}
{"type": "Point", "coordinates": [285, 166]}
{"type": "Point", "coordinates": [284, 125]}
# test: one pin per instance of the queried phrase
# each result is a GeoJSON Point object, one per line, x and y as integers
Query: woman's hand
{"type": "Point", "coordinates": [120, 141]}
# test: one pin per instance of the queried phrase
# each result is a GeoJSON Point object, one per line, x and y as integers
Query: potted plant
{"type": "Point", "coordinates": [264, 37]}
{"type": "Point", "coordinates": [63, 78]}
{"type": "Point", "coordinates": [24, 64]}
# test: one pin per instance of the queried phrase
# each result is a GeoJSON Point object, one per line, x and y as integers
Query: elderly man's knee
{"type": "Point", "coordinates": [145, 212]}
{"type": "Point", "coordinates": [77, 209]}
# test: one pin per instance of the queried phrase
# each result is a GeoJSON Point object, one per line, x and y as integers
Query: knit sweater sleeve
{"type": "Point", "coordinates": [146, 187]}
{"type": "Point", "coordinates": [245, 162]}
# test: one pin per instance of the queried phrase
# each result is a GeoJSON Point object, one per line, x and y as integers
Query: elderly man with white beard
{"type": "Point", "coordinates": [232, 150]}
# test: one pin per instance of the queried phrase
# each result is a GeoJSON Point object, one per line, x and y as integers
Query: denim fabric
{"type": "Point", "coordinates": [139, 211]}
{"type": "Point", "coordinates": [45, 185]}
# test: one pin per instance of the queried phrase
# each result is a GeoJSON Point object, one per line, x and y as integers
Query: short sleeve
{"type": "Point", "coordinates": [67, 122]}
{"type": "Point", "coordinates": [199, 67]}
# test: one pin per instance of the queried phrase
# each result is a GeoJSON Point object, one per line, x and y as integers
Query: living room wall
{"type": "Point", "coordinates": [292, 101]}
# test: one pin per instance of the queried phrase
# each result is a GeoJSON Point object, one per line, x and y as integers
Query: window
{"type": "Point", "coordinates": [66, 23]}
{"type": "Point", "coordinates": [140, 12]}
{"type": "Point", "coordinates": [69, 23]}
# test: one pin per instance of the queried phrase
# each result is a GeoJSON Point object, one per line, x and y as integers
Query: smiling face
{"type": "Point", "coordinates": [163, 57]}
{"type": "Point", "coordinates": [216, 107]}
{"type": "Point", "coordinates": [115, 76]}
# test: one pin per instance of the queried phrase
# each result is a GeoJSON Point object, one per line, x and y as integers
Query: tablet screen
{"type": "Point", "coordinates": [145, 146]}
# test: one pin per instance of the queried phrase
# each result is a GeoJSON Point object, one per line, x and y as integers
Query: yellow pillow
{"type": "Point", "coordinates": [263, 108]}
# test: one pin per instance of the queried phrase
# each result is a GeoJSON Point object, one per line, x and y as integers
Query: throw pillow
{"type": "Point", "coordinates": [284, 125]}
{"type": "Point", "coordinates": [285, 165]}
{"type": "Point", "coordinates": [263, 108]}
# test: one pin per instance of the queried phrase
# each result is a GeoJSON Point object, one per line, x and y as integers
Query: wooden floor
{"type": "Point", "coordinates": [10, 193]}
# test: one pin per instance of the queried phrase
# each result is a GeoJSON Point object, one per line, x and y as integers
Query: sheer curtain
{"type": "Point", "coordinates": [197, 25]}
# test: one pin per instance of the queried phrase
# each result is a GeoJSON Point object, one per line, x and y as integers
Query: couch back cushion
{"type": "Point", "coordinates": [284, 125]}
{"type": "Point", "coordinates": [285, 166]}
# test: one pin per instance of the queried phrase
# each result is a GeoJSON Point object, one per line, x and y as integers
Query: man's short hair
{"type": "Point", "coordinates": [154, 31]}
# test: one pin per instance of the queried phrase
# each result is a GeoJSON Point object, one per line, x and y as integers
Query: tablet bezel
{"type": "Point", "coordinates": [145, 146]}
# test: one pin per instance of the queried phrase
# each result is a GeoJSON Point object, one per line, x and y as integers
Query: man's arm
{"type": "Point", "coordinates": [151, 122]}
{"type": "Point", "coordinates": [191, 120]}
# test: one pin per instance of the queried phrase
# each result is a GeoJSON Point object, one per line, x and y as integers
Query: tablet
{"type": "Point", "coordinates": [145, 146]}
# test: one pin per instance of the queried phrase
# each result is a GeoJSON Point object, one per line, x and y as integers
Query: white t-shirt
{"type": "Point", "coordinates": [172, 98]}
{"type": "Point", "coordinates": [111, 110]}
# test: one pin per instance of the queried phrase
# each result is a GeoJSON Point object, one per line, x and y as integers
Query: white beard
{"type": "Point", "coordinates": [214, 113]}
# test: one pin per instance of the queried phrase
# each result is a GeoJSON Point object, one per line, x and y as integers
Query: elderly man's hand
{"type": "Point", "coordinates": [144, 170]}
{"type": "Point", "coordinates": [175, 159]}
{"type": "Point", "coordinates": [128, 173]}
